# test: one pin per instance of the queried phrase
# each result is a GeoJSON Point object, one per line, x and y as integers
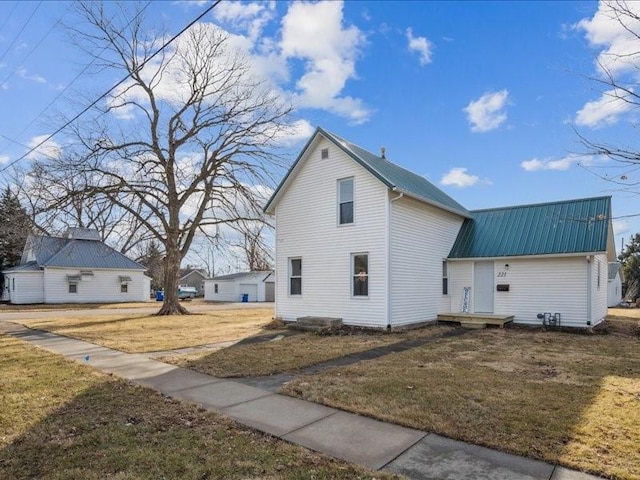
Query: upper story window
{"type": "Point", "coordinates": [345, 201]}
{"type": "Point", "coordinates": [295, 276]}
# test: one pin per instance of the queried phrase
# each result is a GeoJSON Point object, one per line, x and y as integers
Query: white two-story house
{"type": "Point", "coordinates": [365, 240]}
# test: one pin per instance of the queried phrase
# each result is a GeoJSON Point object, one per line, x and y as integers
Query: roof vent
{"type": "Point", "coordinates": [82, 234]}
{"type": "Point", "coordinates": [383, 153]}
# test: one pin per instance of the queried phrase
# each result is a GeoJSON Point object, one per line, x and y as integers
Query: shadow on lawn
{"type": "Point", "coordinates": [115, 430]}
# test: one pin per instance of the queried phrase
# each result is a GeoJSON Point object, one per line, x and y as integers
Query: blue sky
{"type": "Point", "coordinates": [482, 98]}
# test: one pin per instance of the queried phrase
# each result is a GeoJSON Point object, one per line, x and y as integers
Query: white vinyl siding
{"type": "Point", "coordinates": [26, 287]}
{"type": "Point", "coordinates": [460, 277]}
{"type": "Point", "coordinates": [599, 292]}
{"type": "Point", "coordinates": [306, 228]}
{"type": "Point", "coordinates": [614, 291]}
{"type": "Point", "coordinates": [421, 236]}
{"type": "Point", "coordinates": [553, 285]}
{"type": "Point", "coordinates": [105, 286]}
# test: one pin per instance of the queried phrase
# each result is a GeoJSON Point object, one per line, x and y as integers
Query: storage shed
{"type": "Point", "coordinates": [257, 286]}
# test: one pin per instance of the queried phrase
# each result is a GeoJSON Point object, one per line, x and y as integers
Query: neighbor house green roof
{"type": "Point", "coordinates": [567, 227]}
{"type": "Point", "coordinates": [393, 176]}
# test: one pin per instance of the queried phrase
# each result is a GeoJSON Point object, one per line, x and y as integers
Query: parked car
{"type": "Point", "coordinates": [187, 292]}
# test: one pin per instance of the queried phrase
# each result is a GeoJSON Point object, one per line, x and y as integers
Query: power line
{"type": "Point", "coordinates": [124, 79]}
{"type": "Point", "coordinates": [8, 17]}
{"type": "Point", "coordinates": [21, 64]}
{"type": "Point", "coordinates": [15, 39]}
{"type": "Point", "coordinates": [62, 92]}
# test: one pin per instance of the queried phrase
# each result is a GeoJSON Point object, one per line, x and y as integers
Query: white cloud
{"type": "Point", "coordinates": [49, 149]}
{"type": "Point", "coordinates": [559, 164]}
{"type": "Point", "coordinates": [458, 177]}
{"type": "Point", "coordinates": [420, 45]}
{"type": "Point", "coordinates": [604, 111]}
{"type": "Point", "coordinates": [4, 159]}
{"type": "Point", "coordinates": [616, 33]}
{"type": "Point", "coordinates": [487, 113]}
{"type": "Point", "coordinates": [314, 32]}
{"type": "Point", "coordinates": [22, 72]}
{"type": "Point", "coordinates": [621, 226]}
{"type": "Point", "coordinates": [250, 17]}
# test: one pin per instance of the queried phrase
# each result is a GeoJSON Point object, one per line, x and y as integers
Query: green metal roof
{"type": "Point", "coordinates": [572, 226]}
{"type": "Point", "coordinates": [392, 175]}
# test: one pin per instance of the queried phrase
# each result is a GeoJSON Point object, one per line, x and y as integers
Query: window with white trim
{"type": "Point", "coordinates": [295, 276]}
{"type": "Point", "coordinates": [124, 288]}
{"type": "Point", "coordinates": [215, 288]}
{"type": "Point", "coordinates": [445, 278]}
{"type": "Point", "coordinates": [345, 201]}
{"type": "Point", "coordinates": [598, 267]}
{"type": "Point", "coordinates": [360, 274]}
{"type": "Point", "coordinates": [73, 288]}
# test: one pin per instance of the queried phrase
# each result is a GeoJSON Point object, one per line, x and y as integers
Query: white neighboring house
{"type": "Point", "coordinates": [78, 268]}
{"type": "Point", "coordinates": [259, 286]}
{"type": "Point", "coordinates": [614, 285]}
{"type": "Point", "coordinates": [362, 239]}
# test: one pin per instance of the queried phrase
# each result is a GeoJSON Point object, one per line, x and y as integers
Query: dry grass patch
{"type": "Point", "coordinates": [61, 420]}
{"type": "Point", "coordinates": [291, 353]}
{"type": "Point", "coordinates": [566, 398]}
{"type": "Point", "coordinates": [8, 307]}
{"type": "Point", "coordinates": [148, 333]}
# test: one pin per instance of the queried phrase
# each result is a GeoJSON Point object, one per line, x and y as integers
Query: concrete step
{"type": "Point", "coordinates": [316, 324]}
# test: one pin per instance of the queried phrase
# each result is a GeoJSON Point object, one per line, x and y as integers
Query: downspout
{"type": "Point", "coordinates": [388, 240]}
{"type": "Point", "coordinates": [589, 288]}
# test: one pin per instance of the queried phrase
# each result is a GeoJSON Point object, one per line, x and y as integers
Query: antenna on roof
{"type": "Point", "coordinates": [383, 153]}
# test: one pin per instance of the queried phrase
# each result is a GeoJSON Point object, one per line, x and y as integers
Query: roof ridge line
{"type": "Point", "coordinates": [541, 204]}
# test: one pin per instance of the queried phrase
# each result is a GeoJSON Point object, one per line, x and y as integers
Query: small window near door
{"type": "Point", "coordinates": [345, 201]}
{"type": "Point", "coordinates": [13, 283]}
{"type": "Point", "coordinates": [445, 278]}
{"type": "Point", "coordinates": [360, 272]}
{"type": "Point", "coordinates": [215, 288]}
{"type": "Point", "coordinates": [73, 288]}
{"type": "Point", "coordinates": [124, 288]}
{"type": "Point", "coordinates": [598, 267]}
{"type": "Point", "coordinates": [295, 276]}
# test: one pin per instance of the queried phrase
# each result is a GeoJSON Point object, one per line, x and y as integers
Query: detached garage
{"type": "Point", "coordinates": [257, 286]}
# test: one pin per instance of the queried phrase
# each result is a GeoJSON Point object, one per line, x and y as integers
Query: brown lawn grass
{"type": "Point", "coordinates": [62, 420]}
{"type": "Point", "coordinates": [290, 353]}
{"type": "Point", "coordinates": [7, 307]}
{"type": "Point", "coordinates": [566, 398]}
{"type": "Point", "coordinates": [148, 333]}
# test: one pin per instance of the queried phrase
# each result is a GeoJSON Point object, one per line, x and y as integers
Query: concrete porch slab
{"type": "Point", "coordinates": [440, 458]}
{"type": "Point", "coordinates": [221, 394]}
{"type": "Point", "coordinates": [356, 439]}
{"type": "Point", "coordinates": [277, 414]}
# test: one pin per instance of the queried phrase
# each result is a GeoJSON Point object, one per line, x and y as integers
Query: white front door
{"type": "Point", "coordinates": [483, 287]}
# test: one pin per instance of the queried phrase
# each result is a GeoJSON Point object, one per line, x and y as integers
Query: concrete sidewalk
{"type": "Point", "coordinates": [354, 438]}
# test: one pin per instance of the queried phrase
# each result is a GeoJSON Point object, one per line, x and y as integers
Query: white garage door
{"type": "Point", "coordinates": [251, 289]}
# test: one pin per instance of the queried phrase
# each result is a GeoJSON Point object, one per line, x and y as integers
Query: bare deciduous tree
{"type": "Point", "coordinates": [619, 77]}
{"type": "Point", "coordinates": [181, 146]}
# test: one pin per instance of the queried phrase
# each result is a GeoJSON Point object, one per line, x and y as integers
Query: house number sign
{"type": "Point", "coordinates": [502, 274]}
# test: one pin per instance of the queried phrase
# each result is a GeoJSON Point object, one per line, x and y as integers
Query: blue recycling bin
{"type": "Point", "coordinates": [160, 296]}
{"type": "Point", "coordinates": [245, 297]}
